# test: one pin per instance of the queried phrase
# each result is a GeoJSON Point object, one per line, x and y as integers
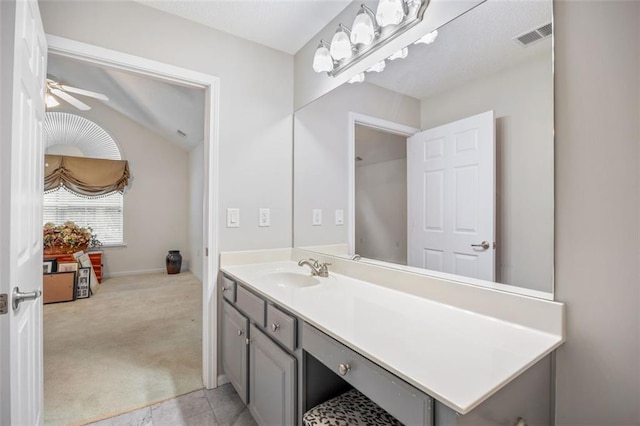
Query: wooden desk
{"type": "Point", "coordinates": [95, 256]}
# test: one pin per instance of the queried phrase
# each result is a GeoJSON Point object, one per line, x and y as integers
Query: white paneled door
{"type": "Point", "coordinates": [22, 110]}
{"type": "Point", "coordinates": [451, 197]}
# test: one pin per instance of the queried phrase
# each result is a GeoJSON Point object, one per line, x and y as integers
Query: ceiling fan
{"type": "Point", "coordinates": [61, 91]}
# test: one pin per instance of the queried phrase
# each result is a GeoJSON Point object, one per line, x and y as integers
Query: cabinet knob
{"type": "Point", "coordinates": [275, 327]}
{"type": "Point", "coordinates": [343, 369]}
{"type": "Point", "coordinates": [225, 289]}
{"type": "Point", "coordinates": [240, 332]}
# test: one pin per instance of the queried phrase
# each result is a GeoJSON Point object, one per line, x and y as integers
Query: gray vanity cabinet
{"type": "Point", "coordinates": [260, 362]}
{"type": "Point", "coordinates": [235, 353]}
{"type": "Point", "coordinates": [272, 381]}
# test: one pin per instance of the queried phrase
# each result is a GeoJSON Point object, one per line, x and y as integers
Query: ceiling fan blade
{"type": "Point", "coordinates": [68, 98]}
{"type": "Point", "coordinates": [84, 92]}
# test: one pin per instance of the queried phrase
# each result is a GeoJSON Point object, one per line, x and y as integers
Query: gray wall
{"type": "Point", "coordinates": [597, 196]}
{"type": "Point", "coordinates": [256, 102]}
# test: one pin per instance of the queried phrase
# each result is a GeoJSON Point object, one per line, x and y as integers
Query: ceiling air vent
{"type": "Point", "coordinates": [534, 35]}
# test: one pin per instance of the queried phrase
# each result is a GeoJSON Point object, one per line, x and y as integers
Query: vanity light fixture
{"type": "Point", "coordinates": [369, 32]}
{"type": "Point", "coordinates": [341, 44]}
{"type": "Point", "coordinates": [400, 54]}
{"type": "Point", "coordinates": [379, 67]}
{"type": "Point", "coordinates": [358, 78]}
{"type": "Point", "coordinates": [427, 38]}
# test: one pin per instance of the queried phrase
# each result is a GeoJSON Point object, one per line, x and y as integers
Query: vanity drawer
{"type": "Point", "coordinates": [251, 304]}
{"type": "Point", "coordinates": [403, 401]}
{"type": "Point", "coordinates": [228, 289]}
{"type": "Point", "coordinates": [281, 327]}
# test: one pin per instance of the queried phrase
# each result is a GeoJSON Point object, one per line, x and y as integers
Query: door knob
{"type": "Point", "coordinates": [483, 245]}
{"type": "Point", "coordinates": [19, 297]}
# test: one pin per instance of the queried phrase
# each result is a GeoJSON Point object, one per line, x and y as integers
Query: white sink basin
{"type": "Point", "coordinates": [291, 279]}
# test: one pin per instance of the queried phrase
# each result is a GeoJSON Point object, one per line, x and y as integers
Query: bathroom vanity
{"type": "Point", "coordinates": [426, 350]}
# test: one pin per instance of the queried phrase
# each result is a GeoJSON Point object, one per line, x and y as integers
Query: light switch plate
{"type": "Point", "coordinates": [317, 217]}
{"type": "Point", "coordinates": [264, 217]}
{"type": "Point", "coordinates": [233, 218]}
{"type": "Point", "coordinates": [339, 217]}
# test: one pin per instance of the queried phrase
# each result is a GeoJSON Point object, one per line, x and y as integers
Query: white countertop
{"type": "Point", "coordinates": [456, 356]}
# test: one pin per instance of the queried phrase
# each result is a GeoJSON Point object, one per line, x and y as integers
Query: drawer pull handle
{"type": "Point", "coordinates": [275, 327]}
{"type": "Point", "coordinates": [240, 332]}
{"type": "Point", "coordinates": [343, 369]}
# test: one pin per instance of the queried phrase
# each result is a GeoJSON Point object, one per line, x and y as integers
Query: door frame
{"type": "Point", "coordinates": [169, 73]}
{"type": "Point", "coordinates": [375, 123]}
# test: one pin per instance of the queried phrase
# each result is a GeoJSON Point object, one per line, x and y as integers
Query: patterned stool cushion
{"type": "Point", "coordinates": [350, 408]}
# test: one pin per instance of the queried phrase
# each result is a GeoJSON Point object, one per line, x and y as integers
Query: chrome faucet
{"type": "Point", "coordinates": [319, 269]}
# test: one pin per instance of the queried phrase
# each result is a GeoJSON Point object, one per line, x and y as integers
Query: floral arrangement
{"type": "Point", "coordinates": [68, 238]}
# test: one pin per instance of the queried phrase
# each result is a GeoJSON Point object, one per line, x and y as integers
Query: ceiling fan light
{"type": "Point", "coordinates": [362, 31]}
{"type": "Point", "coordinates": [50, 101]}
{"type": "Point", "coordinates": [427, 38]}
{"type": "Point", "coordinates": [340, 45]}
{"type": "Point", "coordinates": [390, 12]}
{"type": "Point", "coordinates": [322, 61]}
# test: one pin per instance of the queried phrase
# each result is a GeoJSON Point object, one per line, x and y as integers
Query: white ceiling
{"type": "Point", "coordinates": [161, 107]}
{"type": "Point", "coordinates": [284, 25]}
{"type": "Point", "coordinates": [375, 146]}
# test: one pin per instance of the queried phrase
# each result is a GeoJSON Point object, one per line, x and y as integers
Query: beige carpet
{"type": "Point", "coordinates": [137, 341]}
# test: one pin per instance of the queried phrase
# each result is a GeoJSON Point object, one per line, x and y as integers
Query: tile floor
{"type": "Point", "coordinates": [221, 406]}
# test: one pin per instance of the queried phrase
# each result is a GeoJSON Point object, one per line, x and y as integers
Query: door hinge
{"type": "Point", "coordinates": [206, 251]}
{"type": "Point", "coordinates": [4, 304]}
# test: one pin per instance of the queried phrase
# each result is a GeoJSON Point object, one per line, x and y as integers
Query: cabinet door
{"type": "Point", "coordinates": [235, 354]}
{"type": "Point", "coordinates": [272, 383]}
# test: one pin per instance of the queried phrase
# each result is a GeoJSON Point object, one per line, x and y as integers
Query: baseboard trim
{"type": "Point", "coordinates": [222, 380]}
{"type": "Point", "coordinates": [139, 272]}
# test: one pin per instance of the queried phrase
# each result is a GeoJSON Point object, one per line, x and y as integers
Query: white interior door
{"type": "Point", "coordinates": [24, 49]}
{"type": "Point", "coordinates": [451, 201]}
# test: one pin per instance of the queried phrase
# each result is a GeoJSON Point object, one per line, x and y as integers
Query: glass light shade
{"type": "Point", "coordinates": [358, 78]}
{"type": "Point", "coordinates": [400, 54]}
{"type": "Point", "coordinates": [362, 31]}
{"type": "Point", "coordinates": [390, 12]}
{"type": "Point", "coordinates": [379, 67]}
{"type": "Point", "coordinates": [322, 61]}
{"type": "Point", "coordinates": [428, 38]}
{"type": "Point", "coordinates": [340, 46]}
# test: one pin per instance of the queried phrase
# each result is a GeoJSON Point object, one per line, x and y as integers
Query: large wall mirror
{"type": "Point", "coordinates": [443, 163]}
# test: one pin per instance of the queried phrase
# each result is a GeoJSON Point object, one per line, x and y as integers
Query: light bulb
{"type": "Point", "coordinates": [322, 61]}
{"type": "Point", "coordinates": [50, 101]}
{"type": "Point", "coordinates": [340, 45]}
{"type": "Point", "coordinates": [390, 12]}
{"type": "Point", "coordinates": [427, 38]}
{"type": "Point", "coordinates": [362, 31]}
{"type": "Point", "coordinates": [358, 78]}
{"type": "Point", "coordinates": [379, 67]}
{"type": "Point", "coordinates": [400, 54]}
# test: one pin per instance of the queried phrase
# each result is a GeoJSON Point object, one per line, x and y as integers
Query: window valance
{"type": "Point", "coordinates": [85, 176]}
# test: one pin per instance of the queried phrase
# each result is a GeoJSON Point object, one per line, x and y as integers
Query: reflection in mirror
{"type": "Point", "coordinates": [443, 161]}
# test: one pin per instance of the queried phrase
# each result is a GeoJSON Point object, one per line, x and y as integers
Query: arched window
{"type": "Point", "coordinates": [72, 135]}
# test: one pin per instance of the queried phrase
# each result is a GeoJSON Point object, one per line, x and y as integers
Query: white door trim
{"type": "Point", "coordinates": [170, 73]}
{"type": "Point", "coordinates": [376, 123]}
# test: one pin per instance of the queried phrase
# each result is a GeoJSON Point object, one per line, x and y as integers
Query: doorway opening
{"type": "Point", "coordinates": [207, 163]}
